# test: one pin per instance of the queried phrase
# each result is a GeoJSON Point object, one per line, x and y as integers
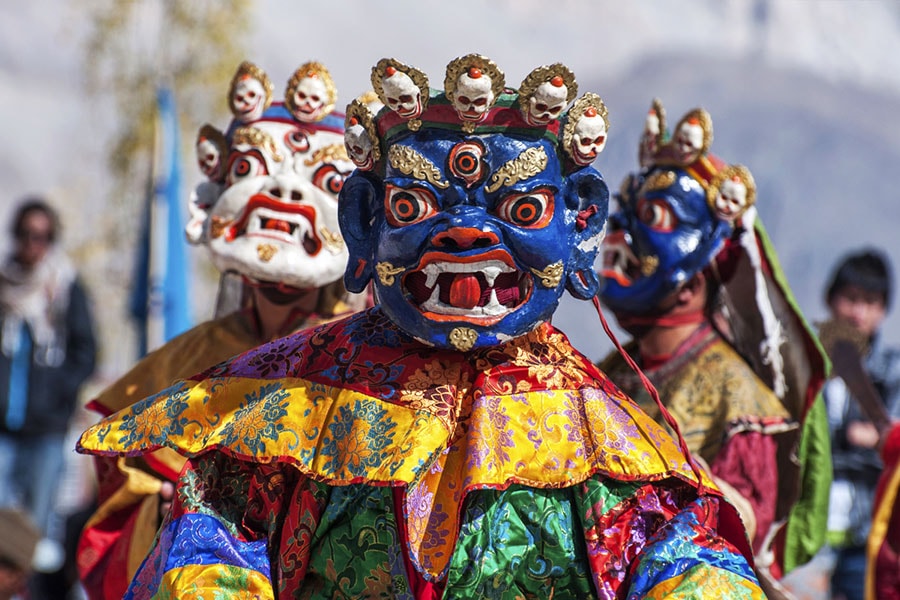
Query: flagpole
{"type": "Point", "coordinates": [164, 277]}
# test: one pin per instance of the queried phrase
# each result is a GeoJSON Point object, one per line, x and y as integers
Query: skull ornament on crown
{"type": "Point", "coordinates": [250, 94]}
{"type": "Point", "coordinates": [674, 217]}
{"type": "Point", "coordinates": [401, 88]}
{"type": "Point", "coordinates": [472, 84]}
{"type": "Point", "coordinates": [546, 92]}
{"type": "Point", "coordinates": [471, 214]}
{"type": "Point", "coordinates": [310, 93]}
{"type": "Point", "coordinates": [268, 209]}
{"type": "Point", "coordinates": [587, 135]}
{"type": "Point", "coordinates": [693, 135]}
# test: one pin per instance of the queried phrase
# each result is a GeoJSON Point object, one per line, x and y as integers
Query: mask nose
{"type": "Point", "coordinates": [465, 238]}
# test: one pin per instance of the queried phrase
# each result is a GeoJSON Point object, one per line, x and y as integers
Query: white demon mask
{"type": "Point", "coordinates": [276, 218]}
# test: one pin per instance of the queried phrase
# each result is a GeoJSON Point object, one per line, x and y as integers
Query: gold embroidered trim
{"type": "Point", "coordinates": [528, 164]}
{"type": "Point", "coordinates": [409, 162]}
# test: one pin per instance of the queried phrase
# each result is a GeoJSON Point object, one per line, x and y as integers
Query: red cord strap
{"type": "Point", "coordinates": [670, 420]}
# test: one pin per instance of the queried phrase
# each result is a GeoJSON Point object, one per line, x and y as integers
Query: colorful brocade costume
{"type": "Point", "coordinates": [731, 420]}
{"type": "Point", "coordinates": [448, 443]}
{"type": "Point", "coordinates": [353, 461]}
{"type": "Point", "coordinates": [118, 535]}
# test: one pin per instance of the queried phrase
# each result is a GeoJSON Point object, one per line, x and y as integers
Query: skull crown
{"type": "Point", "coordinates": [309, 99]}
{"type": "Point", "coordinates": [730, 189]}
{"type": "Point", "coordinates": [475, 99]}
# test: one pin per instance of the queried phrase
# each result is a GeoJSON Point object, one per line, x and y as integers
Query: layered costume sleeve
{"type": "Point", "coordinates": [118, 535]}
{"type": "Point", "coordinates": [221, 538]}
{"type": "Point", "coordinates": [733, 422]}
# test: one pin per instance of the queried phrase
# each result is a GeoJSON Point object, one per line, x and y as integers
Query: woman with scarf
{"type": "Point", "coordinates": [47, 351]}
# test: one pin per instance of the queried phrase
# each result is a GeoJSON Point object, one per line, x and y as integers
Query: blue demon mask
{"type": "Point", "coordinates": [471, 227]}
{"type": "Point", "coordinates": [672, 218]}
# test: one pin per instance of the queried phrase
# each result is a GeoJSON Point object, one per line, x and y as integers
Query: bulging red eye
{"type": "Point", "coordinates": [243, 165]}
{"type": "Point", "coordinates": [328, 178]}
{"type": "Point", "coordinates": [405, 206]}
{"type": "Point", "coordinates": [532, 209]}
{"type": "Point", "coordinates": [297, 141]}
{"type": "Point", "coordinates": [656, 214]}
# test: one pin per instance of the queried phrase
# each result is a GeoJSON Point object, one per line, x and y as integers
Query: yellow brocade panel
{"type": "Point", "coordinates": [706, 581]}
{"type": "Point", "coordinates": [214, 581]}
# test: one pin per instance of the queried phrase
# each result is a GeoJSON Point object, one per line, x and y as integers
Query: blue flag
{"type": "Point", "coordinates": [160, 300]}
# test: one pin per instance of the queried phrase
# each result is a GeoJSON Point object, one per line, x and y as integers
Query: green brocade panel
{"type": "Point", "coordinates": [356, 550]}
{"type": "Point", "coordinates": [808, 521]}
{"type": "Point", "coordinates": [525, 542]}
{"type": "Point", "coordinates": [513, 543]}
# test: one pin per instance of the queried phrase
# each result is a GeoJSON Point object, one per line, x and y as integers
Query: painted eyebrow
{"type": "Point", "coordinates": [527, 164]}
{"type": "Point", "coordinates": [410, 162]}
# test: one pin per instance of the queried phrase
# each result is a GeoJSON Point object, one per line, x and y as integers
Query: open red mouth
{"type": "Point", "coordinates": [619, 262]}
{"type": "Point", "coordinates": [267, 217]}
{"type": "Point", "coordinates": [480, 289]}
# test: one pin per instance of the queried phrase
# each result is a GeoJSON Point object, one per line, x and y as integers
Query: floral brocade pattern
{"type": "Point", "coordinates": [392, 412]}
{"type": "Point", "coordinates": [598, 539]}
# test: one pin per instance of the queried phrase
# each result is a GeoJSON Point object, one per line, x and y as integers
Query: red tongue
{"type": "Point", "coordinates": [465, 291]}
{"type": "Point", "coordinates": [277, 224]}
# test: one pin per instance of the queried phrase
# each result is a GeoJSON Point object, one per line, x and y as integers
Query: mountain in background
{"type": "Point", "coordinates": [805, 93]}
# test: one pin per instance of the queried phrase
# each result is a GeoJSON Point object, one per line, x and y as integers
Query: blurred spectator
{"type": "Point", "coordinates": [47, 351]}
{"type": "Point", "coordinates": [858, 295]}
{"type": "Point", "coordinates": [18, 538]}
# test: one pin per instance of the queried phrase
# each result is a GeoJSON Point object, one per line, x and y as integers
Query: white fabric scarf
{"type": "Point", "coordinates": [38, 297]}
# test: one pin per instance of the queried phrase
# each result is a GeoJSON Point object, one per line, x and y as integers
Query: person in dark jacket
{"type": "Point", "coordinates": [859, 296]}
{"type": "Point", "coordinates": [47, 351]}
